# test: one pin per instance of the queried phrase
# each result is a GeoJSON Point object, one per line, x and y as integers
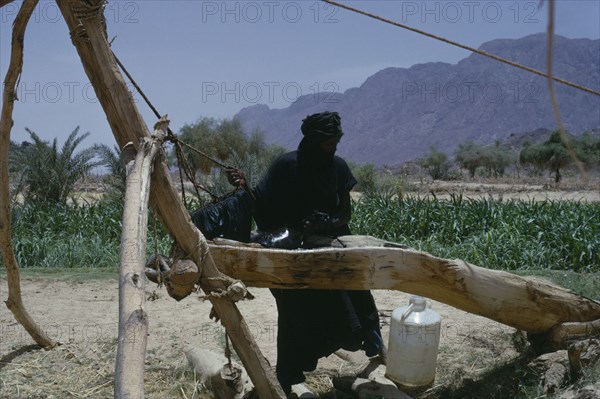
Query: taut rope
{"type": "Point", "coordinates": [463, 46]}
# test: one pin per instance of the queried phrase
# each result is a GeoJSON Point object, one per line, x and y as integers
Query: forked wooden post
{"type": "Point", "coordinates": [85, 22]}
{"type": "Point", "coordinates": [14, 301]}
{"type": "Point", "coordinates": [133, 320]}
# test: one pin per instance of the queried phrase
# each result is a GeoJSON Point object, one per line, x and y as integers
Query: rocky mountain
{"type": "Point", "coordinates": [398, 113]}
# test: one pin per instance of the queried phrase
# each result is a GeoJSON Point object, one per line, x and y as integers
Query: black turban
{"type": "Point", "coordinates": [323, 125]}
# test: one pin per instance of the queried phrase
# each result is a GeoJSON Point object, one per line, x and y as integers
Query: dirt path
{"type": "Point", "coordinates": [505, 191]}
{"type": "Point", "coordinates": [83, 315]}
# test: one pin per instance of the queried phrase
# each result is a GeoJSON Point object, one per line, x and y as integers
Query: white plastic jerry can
{"type": "Point", "coordinates": [413, 344]}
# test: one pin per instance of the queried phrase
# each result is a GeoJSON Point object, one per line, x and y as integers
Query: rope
{"type": "Point", "coordinates": [86, 10]}
{"type": "Point", "coordinates": [184, 165]}
{"type": "Point", "coordinates": [172, 137]}
{"type": "Point", "coordinates": [227, 350]}
{"type": "Point", "coordinates": [181, 183]}
{"type": "Point", "coordinates": [159, 275]}
{"type": "Point", "coordinates": [214, 160]}
{"type": "Point", "coordinates": [463, 46]}
{"type": "Point", "coordinates": [137, 87]}
{"type": "Point", "coordinates": [235, 291]}
{"type": "Point", "coordinates": [554, 101]}
{"type": "Point", "coordinates": [79, 33]}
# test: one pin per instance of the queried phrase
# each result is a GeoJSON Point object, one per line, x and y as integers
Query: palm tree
{"type": "Point", "coordinates": [114, 180]}
{"type": "Point", "coordinates": [50, 174]}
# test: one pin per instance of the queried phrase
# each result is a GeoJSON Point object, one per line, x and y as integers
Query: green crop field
{"type": "Point", "coordinates": [88, 236]}
{"type": "Point", "coordinates": [508, 235]}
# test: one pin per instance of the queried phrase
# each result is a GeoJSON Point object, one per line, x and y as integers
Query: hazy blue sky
{"type": "Point", "coordinates": [211, 58]}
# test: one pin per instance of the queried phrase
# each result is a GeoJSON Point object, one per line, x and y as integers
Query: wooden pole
{"type": "Point", "coordinates": [14, 301]}
{"type": "Point", "coordinates": [133, 320]}
{"type": "Point", "coordinates": [85, 22]}
{"type": "Point", "coordinates": [528, 304]}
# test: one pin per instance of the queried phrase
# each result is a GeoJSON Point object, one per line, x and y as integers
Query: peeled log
{"type": "Point", "coordinates": [524, 303]}
{"type": "Point", "coordinates": [133, 320]}
{"type": "Point", "coordinates": [212, 369]}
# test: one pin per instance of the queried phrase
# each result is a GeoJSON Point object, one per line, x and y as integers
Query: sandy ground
{"type": "Point", "coordinates": [83, 316]}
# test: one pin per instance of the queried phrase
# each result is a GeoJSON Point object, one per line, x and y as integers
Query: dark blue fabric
{"type": "Point", "coordinates": [288, 194]}
{"type": "Point", "coordinates": [313, 323]}
{"type": "Point", "coordinates": [324, 125]}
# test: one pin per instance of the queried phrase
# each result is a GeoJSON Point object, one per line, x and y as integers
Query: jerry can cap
{"type": "Point", "coordinates": [417, 300]}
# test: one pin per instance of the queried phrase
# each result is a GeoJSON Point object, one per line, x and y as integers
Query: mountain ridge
{"type": "Point", "coordinates": [397, 113]}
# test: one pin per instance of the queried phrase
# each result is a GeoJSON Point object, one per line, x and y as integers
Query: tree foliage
{"type": "Point", "coordinates": [226, 141]}
{"type": "Point", "coordinates": [48, 173]}
{"type": "Point", "coordinates": [469, 155]}
{"type": "Point", "coordinates": [494, 159]}
{"type": "Point", "coordinates": [219, 139]}
{"type": "Point", "coordinates": [15, 153]}
{"type": "Point", "coordinates": [366, 177]}
{"type": "Point", "coordinates": [552, 154]}
{"type": "Point", "coordinates": [114, 179]}
{"type": "Point", "coordinates": [590, 149]}
{"type": "Point", "coordinates": [436, 163]}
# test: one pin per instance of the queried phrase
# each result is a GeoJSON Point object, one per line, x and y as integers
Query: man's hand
{"type": "Point", "coordinates": [235, 177]}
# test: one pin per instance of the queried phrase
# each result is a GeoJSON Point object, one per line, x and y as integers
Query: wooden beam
{"type": "Point", "coordinates": [528, 304]}
{"type": "Point", "coordinates": [133, 319]}
{"type": "Point", "coordinates": [86, 27]}
{"type": "Point", "coordinates": [14, 301]}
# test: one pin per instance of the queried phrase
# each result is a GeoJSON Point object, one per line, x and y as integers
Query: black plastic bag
{"type": "Point", "coordinates": [229, 218]}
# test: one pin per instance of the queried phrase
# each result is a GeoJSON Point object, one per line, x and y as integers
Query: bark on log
{"type": "Point", "coordinates": [552, 368]}
{"type": "Point", "coordinates": [5, 2]}
{"type": "Point", "coordinates": [127, 125]}
{"type": "Point", "coordinates": [370, 383]}
{"type": "Point", "coordinates": [14, 301]}
{"type": "Point", "coordinates": [528, 304]}
{"type": "Point", "coordinates": [561, 334]}
{"type": "Point", "coordinates": [133, 320]}
{"type": "Point", "coordinates": [574, 353]}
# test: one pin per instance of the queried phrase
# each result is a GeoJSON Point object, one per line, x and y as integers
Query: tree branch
{"type": "Point", "coordinates": [14, 301]}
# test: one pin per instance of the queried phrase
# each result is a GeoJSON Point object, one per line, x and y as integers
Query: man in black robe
{"type": "Point", "coordinates": [308, 190]}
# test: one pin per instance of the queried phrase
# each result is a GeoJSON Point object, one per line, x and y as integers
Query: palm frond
{"type": "Point", "coordinates": [50, 174]}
